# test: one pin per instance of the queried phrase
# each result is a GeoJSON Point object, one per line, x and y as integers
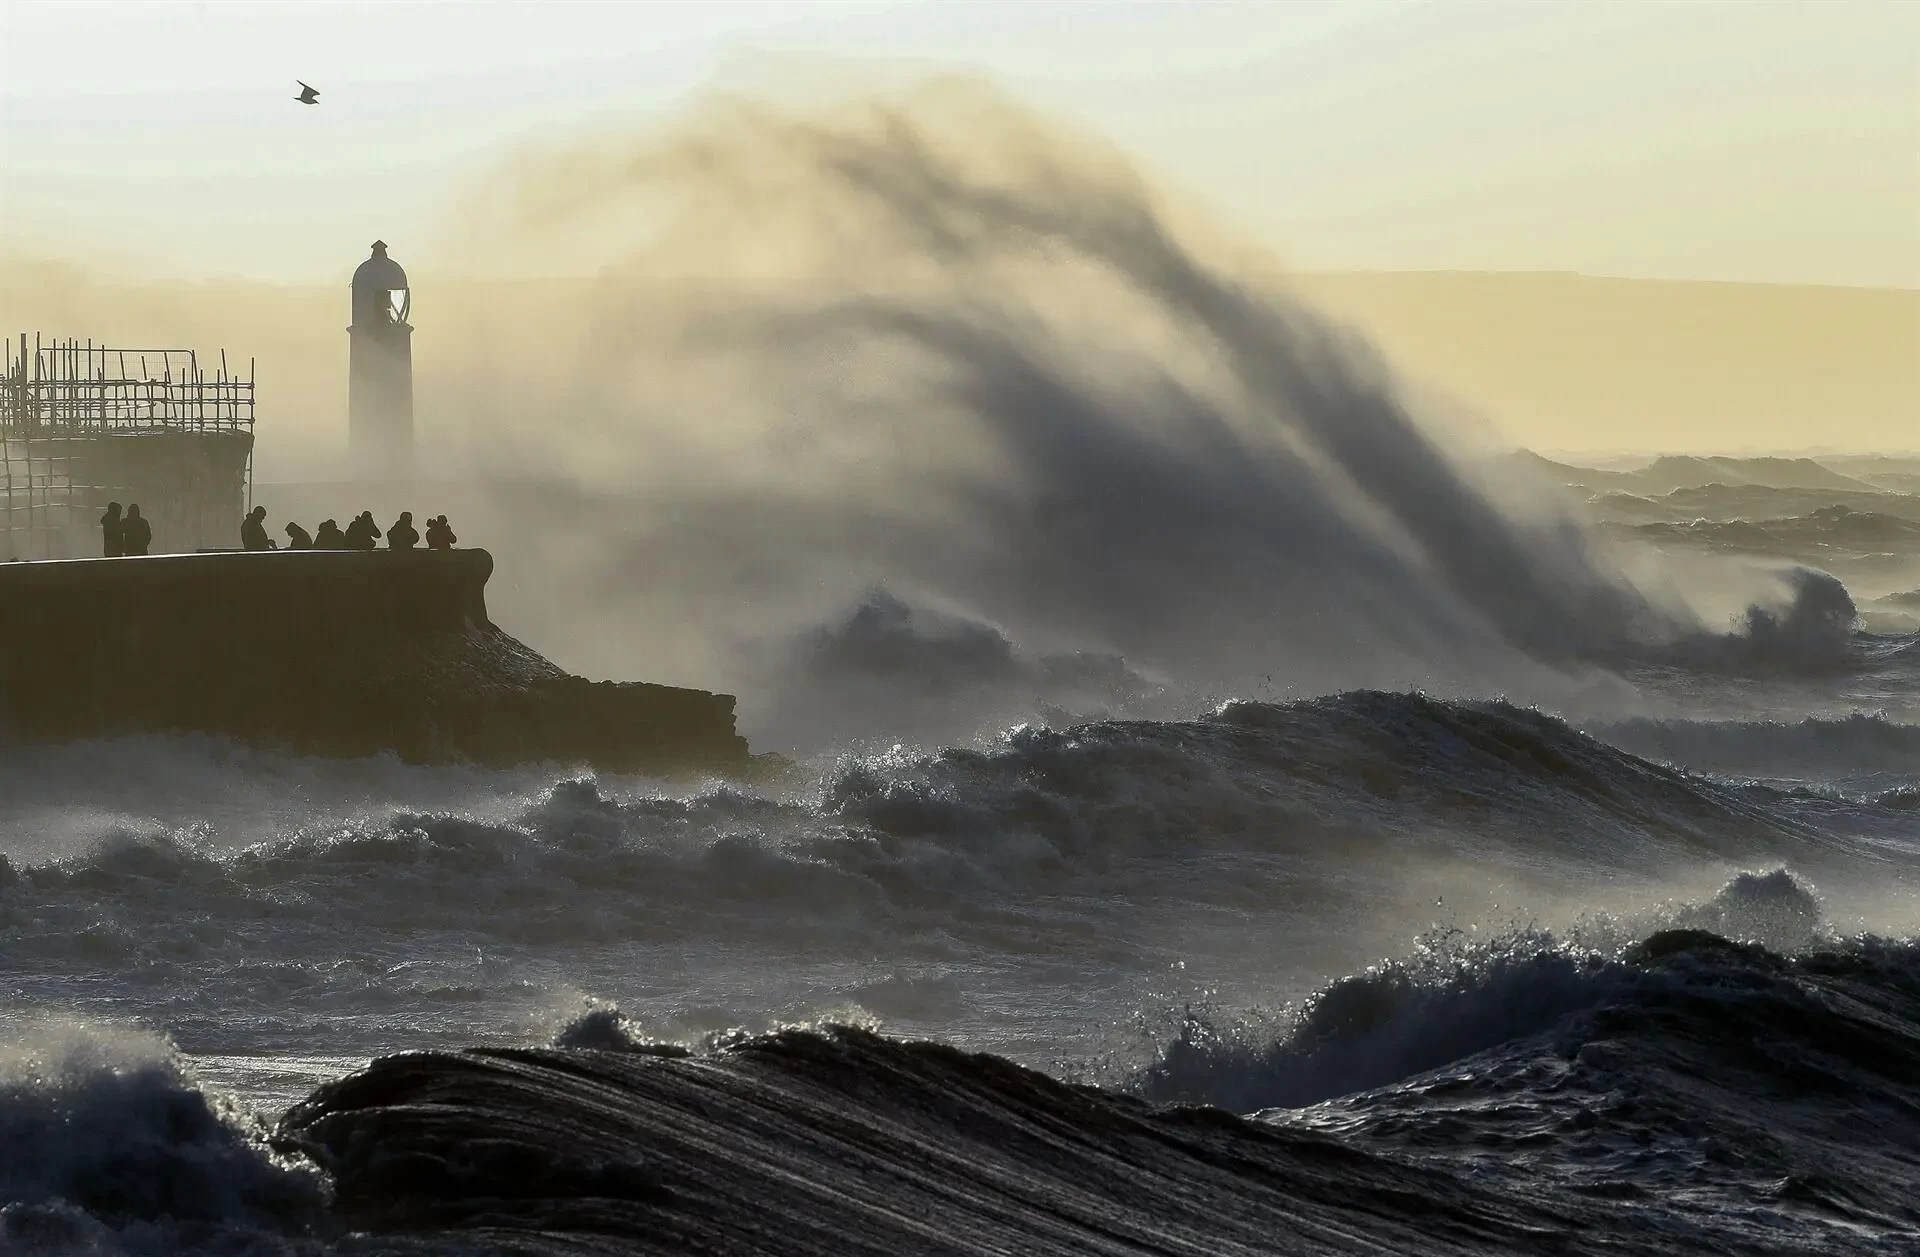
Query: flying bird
{"type": "Point", "coordinates": [307, 95]}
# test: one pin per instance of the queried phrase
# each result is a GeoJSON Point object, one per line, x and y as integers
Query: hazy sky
{"type": "Point", "coordinates": [1774, 142]}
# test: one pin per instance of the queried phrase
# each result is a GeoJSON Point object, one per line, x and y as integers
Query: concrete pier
{"type": "Point", "coordinates": [324, 652]}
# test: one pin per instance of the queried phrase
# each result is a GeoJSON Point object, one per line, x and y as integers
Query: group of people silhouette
{"type": "Point", "coordinates": [360, 533]}
{"type": "Point", "coordinates": [130, 534]}
{"type": "Point", "coordinates": [124, 534]}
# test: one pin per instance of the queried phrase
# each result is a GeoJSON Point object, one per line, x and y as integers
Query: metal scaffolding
{"type": "Point", "coordinates": [81, 423]}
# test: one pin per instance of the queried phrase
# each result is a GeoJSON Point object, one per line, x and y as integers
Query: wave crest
{"type": "Point", "coordinates": [1462, 997]}
{"type": "Point", "coordinates": [110, 1144]}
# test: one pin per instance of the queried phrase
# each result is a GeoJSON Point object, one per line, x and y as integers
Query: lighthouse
{"type": "Point", "coordinates": [380, 370]}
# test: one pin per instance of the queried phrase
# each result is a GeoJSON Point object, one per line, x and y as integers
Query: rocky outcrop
{"type": "Point", "coordinates": [327, 653]}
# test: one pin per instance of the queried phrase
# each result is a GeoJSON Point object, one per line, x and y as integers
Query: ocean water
{"type": "Point", "coordinates": [1443, 976]}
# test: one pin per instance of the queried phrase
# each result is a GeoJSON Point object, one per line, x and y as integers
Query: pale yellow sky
{"type": "Point", "coordinates": [1771, 142]}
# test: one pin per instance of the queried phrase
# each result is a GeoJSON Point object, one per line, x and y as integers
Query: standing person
{"type": "Point", "coordinates": [401, 534]}
{"type": "Point", "coordinates": [253, 531]}
{"type": "Point", "coordinates": [136, 534]}
{"type": "Point", "coordinates": [112, 529]}
{"type": "Point", "coordinates": [298, 538]}
{"type": "Point", "coordinates": [362, 532]}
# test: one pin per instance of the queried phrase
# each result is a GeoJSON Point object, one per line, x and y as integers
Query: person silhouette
{"type": "Point", "coordinates": [253, 531]}
{"type": "Point", "coordinates": [440, 534]}
{"type": "Point", "coordinates": [298, 538]}
{"type": "Point", "coordinates": [112, 544]}
{"type": "Point", "coordinates": [362, 532]}
{"type": "Point", "coordinates": [401, 534]}
{"type": "Point", "coordinates": [329, 536]}
{"type": "Point", "coordinates": [136, 534]}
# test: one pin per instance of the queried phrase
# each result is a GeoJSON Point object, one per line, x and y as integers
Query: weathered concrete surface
{"type": "Point", "coordinates": [324, 652]}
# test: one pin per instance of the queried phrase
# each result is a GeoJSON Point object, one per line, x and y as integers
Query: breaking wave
{"type": "Point", "coordinates": [1732, 1072]}
{"type": "Point", "coordinates": [929, 836]}
{"type": "Point", "coordinates": [948, 351]}
{"type": "Point", "coordinates": [1457, 997]}
{"type": "Point", "coordinates": [1537, 1095]}
{"type": "Point", "coordinates": [893, 671]}
{"type": "Point", "coordinates": [112, 1148]}
{"type": "Point", "coordinates": [1689, 1064]}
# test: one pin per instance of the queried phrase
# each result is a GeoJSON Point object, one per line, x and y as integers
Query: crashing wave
{"type": "Point", "coordinates": [948, 839]}
{"type": "Point", "coordinates": [1689, 1069]}
{"type": "Point", "coordinates": [978, 361]}
{"type": "Point", "coordinates": [1408, 1017]}
{"type": "Point", "coordinates": [111, 1148]}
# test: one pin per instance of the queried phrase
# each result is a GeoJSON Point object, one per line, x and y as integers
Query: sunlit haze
{"type": "Point", "coordinates": [1437, 174]}
{"type": "Point", "coordinates": [1755, 142]}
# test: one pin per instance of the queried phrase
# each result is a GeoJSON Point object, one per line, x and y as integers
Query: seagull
{"type": "Point", "coordinates": [307, 95]}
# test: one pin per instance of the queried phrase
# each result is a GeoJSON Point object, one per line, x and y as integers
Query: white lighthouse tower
{"type": "Point", "coordinates": [380, 370]}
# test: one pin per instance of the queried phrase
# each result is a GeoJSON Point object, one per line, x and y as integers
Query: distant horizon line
{"type": "Point", "coordinates": [1812, 454]}
{"type": "Point", "coordinates": [1552, 455]}
{"type": "Point", "coordinates": [1302, 272]}
{"type": "Point", "coordinates": [1537, 273]}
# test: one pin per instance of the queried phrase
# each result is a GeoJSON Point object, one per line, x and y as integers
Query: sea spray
{"type": "Point", "coordinates": [940, 348]}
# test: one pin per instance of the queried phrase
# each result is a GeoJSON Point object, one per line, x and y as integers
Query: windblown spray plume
{"type": "Point", "coordinates": [929, 356]}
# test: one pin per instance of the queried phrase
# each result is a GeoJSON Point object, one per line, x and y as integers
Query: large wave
{"type": "Point", "coordinates": [933, 345]}
{"type": "Point", "coordinates": [111, 1148]}
{"type": "Point", "coordinates": [1459, 995]}
{"type": "Point", "coordinates": [1642, 1075]}
{"type": "Point", "coordinates": [1681, 1092]}
{"type": "Point", "coordinates": [1258, 849]}
{"type": "Point", "coordinates": [952, 833]}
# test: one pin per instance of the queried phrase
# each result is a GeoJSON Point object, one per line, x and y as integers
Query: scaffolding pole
{"type": "Point", "coordinates": [74, 415]}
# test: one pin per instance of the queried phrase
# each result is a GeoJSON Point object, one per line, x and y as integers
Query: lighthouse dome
{"type": "Point", "coordinates": [380, 272]}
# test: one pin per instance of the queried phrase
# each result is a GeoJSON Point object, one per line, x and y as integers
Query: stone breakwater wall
{"type": "Point", "coordinates": [328, 653]}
